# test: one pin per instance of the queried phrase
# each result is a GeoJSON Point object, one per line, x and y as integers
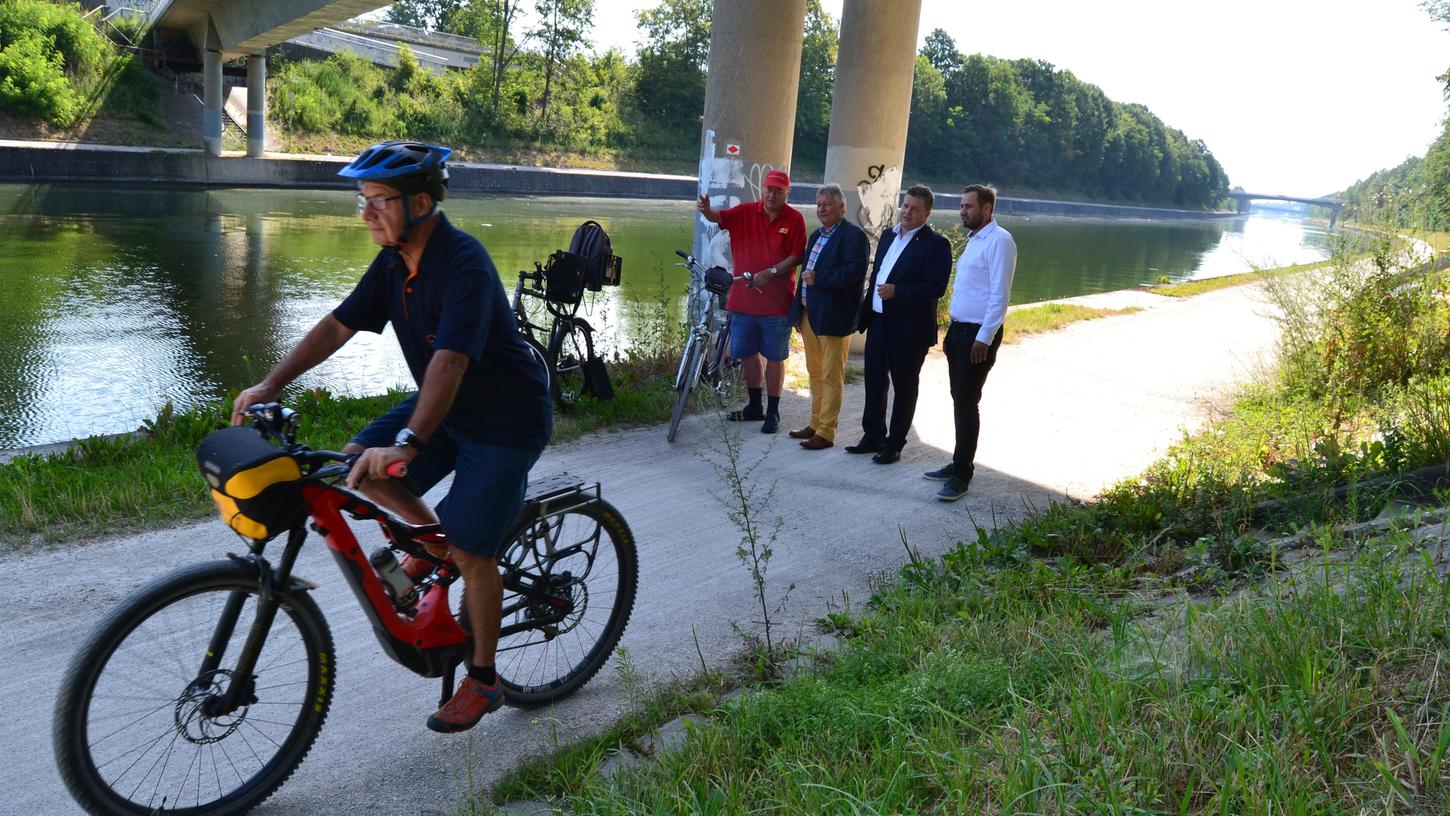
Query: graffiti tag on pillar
{"type": "Point", "coordinates": [755, 179]}
{"type": "Point", "coordinates": [878, 192]}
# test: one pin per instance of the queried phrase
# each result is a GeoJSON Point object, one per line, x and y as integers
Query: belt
{"type": "Point", "coordinates": [963, 324]}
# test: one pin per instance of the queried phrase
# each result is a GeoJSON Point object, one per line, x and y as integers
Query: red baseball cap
{"type": "Point", "coordinates": [777, 178]}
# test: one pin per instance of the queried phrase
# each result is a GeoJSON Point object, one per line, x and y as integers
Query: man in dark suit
{"type": "Point", "coordinates": [913, 264]}
{"type": "Point", "coordinates": [825, 310]}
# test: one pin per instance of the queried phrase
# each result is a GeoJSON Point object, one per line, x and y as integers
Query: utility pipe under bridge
{"type": "Point", "coordinates": [227, 29]}
{"type": "Point", "coordinates": [1243, 200]}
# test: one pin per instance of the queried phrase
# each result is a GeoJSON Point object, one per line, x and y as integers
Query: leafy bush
{"type": "Point", "coordinates": [33, 82]}
{"type": "Point", "coordinates": [1362, 327]}
{"type": "Point", "coordinates": [55, 66]}
{"type": "Point", "coordinates": [83, 51]}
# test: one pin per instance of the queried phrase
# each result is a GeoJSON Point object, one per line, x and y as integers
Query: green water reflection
{"type": "Point", "coordinates": [116, 301]}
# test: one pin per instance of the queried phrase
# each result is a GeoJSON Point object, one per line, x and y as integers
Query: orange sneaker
{"type": "Point", "coordinates": [469, 703]}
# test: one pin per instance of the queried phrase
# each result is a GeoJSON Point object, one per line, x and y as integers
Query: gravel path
{"type": "Point", "coordinates": [1063, 414]}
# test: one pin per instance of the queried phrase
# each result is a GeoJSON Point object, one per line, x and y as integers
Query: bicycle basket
{"type": "Point", "coordinates": [564, 277]}
{"type": "Point", "coordinates": [254, 484]}
{"type": "Point", "coordinates": [718, 280]}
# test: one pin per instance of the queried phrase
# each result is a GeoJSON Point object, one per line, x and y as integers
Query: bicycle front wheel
{"type": "Point", "coordinates": [689, 375]}
{"type": "Point", "coordinates": [135, 729]}
{"type": "Point", "coordinates": [571, 347]}
{"type": "Point", "coordinates": [584, 558]}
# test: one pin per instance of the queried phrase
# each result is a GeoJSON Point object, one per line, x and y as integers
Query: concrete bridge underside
{"type": "Point", "coordinates": [227, 29]}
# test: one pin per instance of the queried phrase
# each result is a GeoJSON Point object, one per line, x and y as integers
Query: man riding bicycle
{"type": "Point", "coordinates": [481, 411]}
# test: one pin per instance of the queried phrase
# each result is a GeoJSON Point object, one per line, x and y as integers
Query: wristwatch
{"type": "Point", "coordinates": [407, 439]}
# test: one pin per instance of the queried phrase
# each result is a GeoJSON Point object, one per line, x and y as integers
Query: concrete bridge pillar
{"type": "Point", "coordinates": [870, 108]}
{"type": "Point", "coordinates": [749, 124]}
{"type": "Point", "coordinates": [211, 114]}
{"type": "Point", "coordinates": [256, 105]}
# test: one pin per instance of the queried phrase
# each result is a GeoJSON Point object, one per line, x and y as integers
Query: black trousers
{"type": "Point", "coordinates": [967, 379]}
{"type": "Point", "coordinates": [889, 369]}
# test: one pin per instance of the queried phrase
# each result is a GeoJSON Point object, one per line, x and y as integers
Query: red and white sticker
{"type": "Point", "coordinates": [732, 150]}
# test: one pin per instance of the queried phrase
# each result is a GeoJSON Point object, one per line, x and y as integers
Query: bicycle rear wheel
{"type": "Point", "coordinates": [586, 556]}
{"type": "Point", "coordinates": [570, 348]}
{"type": "Point", "coordinates": [689, 375]}
{"type": "Point", "coordinates": [131, 730]}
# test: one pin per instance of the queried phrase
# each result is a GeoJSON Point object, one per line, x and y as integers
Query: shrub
{"type": "Point", "coordinates": [1362, 327]}
{"type": "Point", "coordinates": [83, 51]}
{"type": "Point", "coordinates": [33, 81]}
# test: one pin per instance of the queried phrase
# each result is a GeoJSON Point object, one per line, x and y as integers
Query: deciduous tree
{"type": "Point", "coordinates": [674, 50]}
{"type": "Point", "coordinates": [563, 31]}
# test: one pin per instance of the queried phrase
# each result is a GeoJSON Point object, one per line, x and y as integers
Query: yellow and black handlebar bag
{"type": "Point", "coordinates": [255, 484]}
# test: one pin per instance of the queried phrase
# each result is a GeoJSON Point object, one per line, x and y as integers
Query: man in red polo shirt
{"type": "Point", "coordinates": [767, 240]}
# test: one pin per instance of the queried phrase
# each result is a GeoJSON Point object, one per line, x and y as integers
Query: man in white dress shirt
{"type": "Point", "coordinates": [978, 308]}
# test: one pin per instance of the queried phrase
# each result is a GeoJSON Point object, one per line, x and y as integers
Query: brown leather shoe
{"type": "Point", "coordinates": [804, 433]}
{"type": "Point", "coordinates": [817, 442]}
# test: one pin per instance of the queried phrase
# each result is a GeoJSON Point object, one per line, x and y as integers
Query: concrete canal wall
{"type": "Point", "coordinates": [32, 162]}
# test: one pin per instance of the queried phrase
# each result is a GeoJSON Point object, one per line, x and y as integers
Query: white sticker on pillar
{"type": "Point", "coordinates": [878, 192]}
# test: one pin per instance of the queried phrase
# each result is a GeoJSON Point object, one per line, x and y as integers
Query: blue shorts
{"type": "Point", "coordinates": [488, 480]}
{"type": "Point", "coordinates": [753, 334]}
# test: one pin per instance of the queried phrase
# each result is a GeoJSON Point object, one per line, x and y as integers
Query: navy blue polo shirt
{"type": "Point", "coordinates": [457, 302]}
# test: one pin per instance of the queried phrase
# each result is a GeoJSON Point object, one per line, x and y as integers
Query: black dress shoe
{"type": "Point", "coordinates": [864, 447]}
{"type": "Point", "coordinates": [886, 457]}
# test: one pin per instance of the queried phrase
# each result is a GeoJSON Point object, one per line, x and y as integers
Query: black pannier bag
{"type": "Point", "coordinates": [601, 265]}
{"type": "Point", "coordinates": [718, 280]}
{"type": "Point", "coordinates": [255, 484]}
{"type": "Point", "coordinates": [564, 277]}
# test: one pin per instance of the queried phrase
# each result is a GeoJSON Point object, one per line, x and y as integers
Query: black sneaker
{"type": "Point", "coordinates": [941, 474]}
{"type": "Point", "coordinates": [953, 490]}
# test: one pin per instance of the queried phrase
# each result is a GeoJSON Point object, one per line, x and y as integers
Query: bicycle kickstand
{"type": "Point", "coordinates": [448, 672]}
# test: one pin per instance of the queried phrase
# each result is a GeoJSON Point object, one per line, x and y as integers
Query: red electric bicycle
{"type": "Point", "coordinates": [203, 691]}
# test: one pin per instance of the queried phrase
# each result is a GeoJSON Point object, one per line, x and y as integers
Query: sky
{"type": "Point", "coordinates": [1294, 97]}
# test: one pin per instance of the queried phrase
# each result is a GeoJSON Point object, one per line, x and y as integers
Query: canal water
{"type": "Point", "coordinates": [117, 301]}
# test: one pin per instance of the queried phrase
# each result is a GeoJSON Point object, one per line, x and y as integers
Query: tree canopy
{"type": "Point", "coordinates": [1026, 123]}
{"type": "Point", "coordinates": [1415, 194]}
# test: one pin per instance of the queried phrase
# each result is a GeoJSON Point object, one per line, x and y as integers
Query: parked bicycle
{"type": "Point", "coordinates": [567, 343]}
{"type": "Point", "coordinates": [201, 692]}
{"type": "Point", "coordinates": [567, 340]}
{"type": "Point", "coordinates": [707, 348]}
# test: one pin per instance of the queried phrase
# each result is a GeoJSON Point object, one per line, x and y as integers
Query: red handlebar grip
{"type": "Point", "coordinates": [398, 470]}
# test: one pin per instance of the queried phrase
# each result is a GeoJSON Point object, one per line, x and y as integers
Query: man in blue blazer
{"type": "Point", "coordinates": [913, 264]}
{"type": "Point", "coordinates": [825, 310]}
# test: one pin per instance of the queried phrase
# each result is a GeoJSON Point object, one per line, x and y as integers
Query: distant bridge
{"type": "Point", "coordinates": [1243, 199]}
{"type": "Point", "coordinates": [222, 30]}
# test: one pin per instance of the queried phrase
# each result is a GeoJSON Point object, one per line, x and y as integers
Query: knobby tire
{"type": "Point", "coordinates": [541, 665]}
{"type": "Point", "coordinates": [129, 733]}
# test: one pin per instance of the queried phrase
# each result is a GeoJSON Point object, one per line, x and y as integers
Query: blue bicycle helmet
{"type": "Point", "coordinates": [409, 167]}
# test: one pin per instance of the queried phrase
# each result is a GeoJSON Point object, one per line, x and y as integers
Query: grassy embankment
{"type": "Point", "coordinates": [1049, 666]}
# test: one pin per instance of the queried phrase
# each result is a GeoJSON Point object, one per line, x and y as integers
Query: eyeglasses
{"type": "Point", "coordinates": [378, 203]}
